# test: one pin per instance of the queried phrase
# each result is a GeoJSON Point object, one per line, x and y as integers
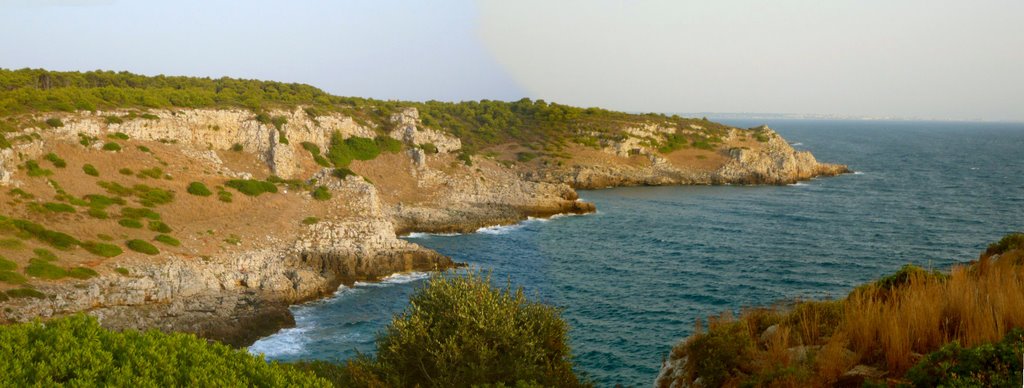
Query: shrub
{"type": "Point", "coordinates": [466, 157]}
{"type": "Point", "coordinates": [315, 151]}
{"type": "Point", "coordinates": [251, 187]}
{"type": "Point", "coordinates": [59, 207]}
{"type": "Point", "coordinates": [125, 171]}
{"type": "Point", "coordinates": [342, 173]}
{"type": "Point", "coordinates": [149, 116]}
{"type": "Point", "coordinates": [224, 196]}
{"type": "Point", "coordinates": [56, 160]}
{"type": "Point", "coordinates": [122, 270]}
{"type": "Point", "coordinates": [45, 254]}
{"type": "Point", "coordinates": [11, 243]}
{"type": "Point", "coordinates": [152, 196]}
{"type": "Point", "coordinates": [82, 273]}
{"type": "Point", "coordinates": [113, 120]}
{"type": "Point", "coordinates": [102, 201]}
{"type": "Point", "coordinates": [388, 144]}
{"type": "Point", "coordinates": [715, 355]}
{"type": "Point", "coordinates": [143, 149]}
{"type": "Point", "coordinates": [279, 122]}
{"type": "Point", "coordinates": [24, 293]}
{"type": "Point", "coordinates": [12, 278]}
{"type": "Point", "coordinates": [35, 171]}
{"type": "Point", "coordinates": [155, 173]}
{"type": "Point", "coordinates": [54, 122]}
{"type": "Point", "coordinates": [7, 265]}
{"type": "Point", "coordinates": [4, 143]}
{"type": "Point", "coordinates": [160, 227]}
{"type": "Point", "coordinates": [53, 238]}
{"type": "Point", "coordinates": [461, 331]}
{"type": "Point", "coordinates": [987, 365]}
{"type": "Point", "coordinates": [237, 147]}
{"type": "Point", "coordinates": [118, 135]}
{"type": "Point", "coordinates": [142, 247]}
{"type": "Point", "coordinates": [321, 193]}
{"type": "Point", "coordinates": [111, 146]}
{"type": "Point", "coordinates": [167, 240]}
{"type": "Point", "coordinates": [130, 223]}
{"type": "Point", "coordinates": [199, 189]}
{"type": "Point", "coordinates": [90, 355]}
{"type": "Point", "coordinates": [310, 220]}
{"type": "Point", "coordinates": [102, 249]}
{"type": "Point", "coordinates": [44, 270]}
{"type": "Point", "coordinates": [1008, 242]}
{"type": "Point", "coordinates": [21, 193]}
{"type": "Point", "coordinates": [139, 213]}
{"type": "Point", "coordinates": [90, 170]}
{"type": "Point", "coordinates": [362, 148]}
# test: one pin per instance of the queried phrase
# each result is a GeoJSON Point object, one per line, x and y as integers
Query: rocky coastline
{"type": "Point", "coordinates": [238, 296]}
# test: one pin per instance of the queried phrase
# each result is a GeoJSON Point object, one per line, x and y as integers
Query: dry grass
{"type": "Point", "coordinates": [888, 324]}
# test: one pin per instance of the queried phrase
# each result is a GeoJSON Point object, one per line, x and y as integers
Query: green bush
{"type": "Point", "coordinates": [111, 146]}
{"type": "Point", "coordinates": [56, 160]}
{"type": "Point", "coordinates": [59, 207]}
{"type": "Point", "coordinates": [23, 293]}
{"type": "Point", "coordinates": [342, 173]}
{"type": "Point", "coordinates": [4, 143]}
{"type": "Point", "coordinates": [125, 171]}
{"type": "Point", "coordinates": [199, 189]}
{"type": "Point", "coordinates": [388, 144]}
{"type": "Point", "coordinates": [237, 147]}
{"type": "Point", "coordinates": [155, 173]}
{"type": "Point", "coordinates": [76, 351]}
{"type": "Point", "coordinates": [118, 135]}
{"type": "Point", "coordinates": [321, 193]}
{"type": "Point", "coordinates": [142, 247]}
{"type": "Point", "coordinates": [149, 116]}
{"type": "Point", "coordinates": [130, 223]}
{"type": "Point", "coordinates": [152, 196]}
{"type": "Point", "coordinates": [54, 122]}
{"type": "Point", "coordinates": [713, 356]}
{"type": "Point", "coordinates": [7, 265]}
{"type": "Point", "coordinates": [90, 170]}
{"type": "Point", "coordinates": [224, 196]}
{"type": "Point", "coordinates": [310, 220]}
{"type": "Point", "coordinates": [167, 240]}
{"type": "Point", "coordinates": [82, 273]}
{"type": "Point", "coordinates": [251, 187]}
{"type": "Point", "coordinates": [461, 331]}
{"type": "Point", "coordinates": [139, 213]}
{"type": "Point", "coordinates": [123, 271]}
{"type": "Point", "coordinates": [113, 120]}
{"type": "Point", "coordinates": [53, 238]}
{"type": "Point", "coordinates": [35, 171]}
{"type": "Point", "coordinates": [314, 150]}
{"type": "Point", "coordinates": [45, 254]}
{"type": "Point", "coordinates": [1008, 242]}
{"type": "Point", "coordinates": [21, 193]}
{"type": "Point", "coordinates": [11, 243]}
{"type": "Point", "coordinates": [101, 249]}
{"type": "Point", "coordinates": [10, 277]}
{"type": "Point", "coordinates": [987, 365]}
{"type": "Point", "coordinates": [158, 226]}
{"type": "Point", "coordinates": [102, 201]}
{"type": "Point", "coordinates": [362, 148]}
{"type": "Point", "coordinates": [43, 269]}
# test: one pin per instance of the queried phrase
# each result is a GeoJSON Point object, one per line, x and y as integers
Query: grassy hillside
{"type": "Point", "coordinates": [538, 125]}
{"type": "Point", "coordinates": [926, 328]}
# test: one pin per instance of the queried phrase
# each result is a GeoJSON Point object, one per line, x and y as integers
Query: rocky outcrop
{"type": "Point", "coordinates": [776, 163]}
{"type": "Point", "coordinates": [773, 161]}
{"type": "Point", "coordinates": [409, 130]}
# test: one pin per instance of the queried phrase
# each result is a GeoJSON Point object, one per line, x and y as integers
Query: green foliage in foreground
{"type": "Point", "coordinates": [321, 193]}
{"type": "Point", "coordinates": [76, 351]}
{"type": "Point", "coordinates": [461, 331]}
{"type": "Point", "coordinates": [251, 187]}
{"type": "Point", "coordinates": [988, 365]}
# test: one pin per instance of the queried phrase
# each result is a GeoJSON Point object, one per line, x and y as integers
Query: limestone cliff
{"type": "Point", "coordinates": [239, 287]}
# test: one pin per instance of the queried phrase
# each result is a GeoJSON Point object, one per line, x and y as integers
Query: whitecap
{"type": "Point", "coordinates": [499, 229]}
{"type": "Point", "coordinates": [858, 173]}
{"type": "Point", "coordinates": [797, 144]}
{"type": "Point", "coordinates": [404, 277]}
{"type": "Point", "coordinates": [285, 342]}
{"type": "Point", "coordinates": [425, 235]}
{"type": "Point", "coordinates": [798, 184]}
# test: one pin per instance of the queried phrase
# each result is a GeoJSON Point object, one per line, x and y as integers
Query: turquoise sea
{"type": "Point", "coordinates": [634, 277]}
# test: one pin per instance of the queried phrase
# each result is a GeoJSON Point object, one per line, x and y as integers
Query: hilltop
{"type": "Point", "coordinates": [210, 205]}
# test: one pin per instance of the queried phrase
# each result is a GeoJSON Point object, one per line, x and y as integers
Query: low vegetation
{"type": "Point", "coordinates": [957, 320]}
{"type": "Point", "coordinates": [199, 189]}
{"type": "Point", "coordinates": [90, 170]}
{"type": "Point", "coordinates": [168, 240]}
{"type": "Point", "coordinates": [142, 247]}
{"type": "Point", "coordinates": [76, 351]}
{"type": "Point", "coordinates": [461, 331]}
{"type": "Point", "coordinates": [251, 187]}
{"type": "Point", "coordinates": [321, 193]}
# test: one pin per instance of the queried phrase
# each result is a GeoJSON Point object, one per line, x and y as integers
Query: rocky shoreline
{"type": "Point", "coordinates": [237, 297]}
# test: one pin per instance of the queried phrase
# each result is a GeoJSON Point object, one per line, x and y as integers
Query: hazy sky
{"type": "Point", "coordinates": [933, 59]}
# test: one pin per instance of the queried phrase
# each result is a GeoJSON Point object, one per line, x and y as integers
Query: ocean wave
{"type": "Point", "coordinates": [798, 184]}
{"type": "Point", "coordinates": [797, 144]}
{"type": "Point", "coordinates": [286, 342]}
{"type": "Point", "coordinates": [858, 173]}
{"type": "Point", "coordinates": [424, 235]}
{"type": "Point", "coordinates": [499, 229]}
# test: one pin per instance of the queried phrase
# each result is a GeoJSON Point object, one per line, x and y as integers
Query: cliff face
{"type": "Point", "coordinates": [236, 292]}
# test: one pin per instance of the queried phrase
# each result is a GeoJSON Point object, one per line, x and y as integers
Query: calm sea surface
{"type": "Point", "coordinates": [633, 277]}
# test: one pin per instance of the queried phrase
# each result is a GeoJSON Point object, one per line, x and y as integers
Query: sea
{"type": "Point", "coordinates": [633, 278]}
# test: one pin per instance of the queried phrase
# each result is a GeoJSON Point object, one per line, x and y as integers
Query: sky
{"type": "Point", "coordinates": [937, 59]}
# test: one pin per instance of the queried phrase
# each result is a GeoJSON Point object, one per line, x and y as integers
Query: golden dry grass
{"type": "Point", "coordinates": [889, 324]}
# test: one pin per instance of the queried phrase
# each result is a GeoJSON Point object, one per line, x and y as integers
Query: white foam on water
{"type": "Point", "coordinates": [499, 229]}
{"type": "Point", "coordinates": [797, 144]}
{"type": "Point", "coordinates": [798, 184]}
{"type": "Point", "coordinates": [405, 277]}
{"type": "Point", "coordinates": [285, 342]}
{"type": "Point", "coordinates": [423, 235]}
{"type": "Point", "coordinates": [858, 173]}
